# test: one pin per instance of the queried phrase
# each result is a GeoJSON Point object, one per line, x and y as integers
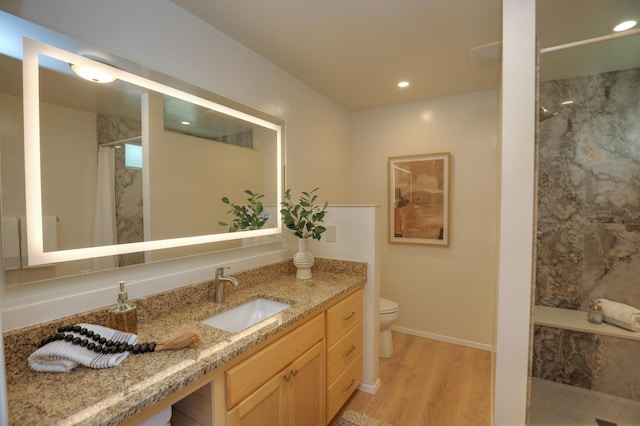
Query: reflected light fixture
{"type": "Point", "coordinates": [403, 84]}
{"type": "Point", "coordinates": [186, 123]}
{"type": "Point", "coordinates": [625, 25]}
{"type": "Point", "coordinates": [91, 73]}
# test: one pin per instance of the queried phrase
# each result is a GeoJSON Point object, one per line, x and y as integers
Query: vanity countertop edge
{"type": "Point", "coordinates": [110, 396]}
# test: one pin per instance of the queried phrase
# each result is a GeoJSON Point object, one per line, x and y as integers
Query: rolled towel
{"type": "Point", "coordinates": [60, 356]}
{"type": "Point", "coordinates": [163, 418]}
{"type": "Point", "coordinates": [619, 314]}
{"type": "Point", "coordinates": [11, 242]}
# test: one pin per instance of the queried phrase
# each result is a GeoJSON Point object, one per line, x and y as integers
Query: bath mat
{"type": "Point", "coordinates": [353, 418]}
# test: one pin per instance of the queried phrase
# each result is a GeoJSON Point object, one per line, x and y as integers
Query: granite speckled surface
{"type": "Point", "coordinates": [86, 396]}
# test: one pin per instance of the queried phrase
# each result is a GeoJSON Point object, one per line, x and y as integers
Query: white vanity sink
{"type": "Point", "coordinates": [246, 315]}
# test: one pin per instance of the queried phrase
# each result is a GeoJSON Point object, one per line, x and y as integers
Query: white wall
{"type": "Point", "coordinates": [356, 240]}
{"type": "Point", "coordinates": [66, 133]}
{"type": "Point", "coordinates": [4, 412]}
{"type": "Point", "coordinates": [444, 293]}
{"type": "Point", "coordinates": [517, 196]}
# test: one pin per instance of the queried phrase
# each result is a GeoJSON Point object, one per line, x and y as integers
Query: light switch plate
{"type": "Point", "coordinates": [331, 233]}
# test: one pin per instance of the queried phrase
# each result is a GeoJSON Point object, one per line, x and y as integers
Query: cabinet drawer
{"type": "Point", "coordinates": [343, 316]}
{"type": "Point", "coordinates": [250, 374]}
{"type": "Point", "coordinates": [343, 387]}
{"type": "Point", "coordinates": [343, 352]}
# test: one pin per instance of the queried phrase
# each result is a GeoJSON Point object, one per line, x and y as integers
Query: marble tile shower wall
{"type": "Point", "coordinates": [128, 186]}
{"type": "Point", "coordinates": [589, 225]}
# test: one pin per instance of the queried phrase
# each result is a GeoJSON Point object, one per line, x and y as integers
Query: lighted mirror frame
{"type": "Point", "coordinates": [37, 256]}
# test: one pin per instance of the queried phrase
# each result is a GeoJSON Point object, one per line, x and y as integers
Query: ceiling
{"type": "Point", "coordinates": [356, 51]}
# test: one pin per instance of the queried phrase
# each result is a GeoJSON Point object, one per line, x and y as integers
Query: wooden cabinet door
{"type": "Point", "coordinates": [265, 407]}
{"type": "Point", "coordinates": [246, 377]}
{"type": "Point", "coordinates": [295, 396]}
{"type": "Point", "coordinates": [306, 388]}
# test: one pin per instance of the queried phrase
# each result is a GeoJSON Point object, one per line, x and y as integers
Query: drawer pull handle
{"type": "Point", "coordinates": [294, 372]}
{"type": "Point", "coordinates": [287, 377]}
{"type": "Point", "coordinates": [350, 351]}
{"type": "Point", "coordinates": [351, 315]}
{"type": "Point", "coordinates": [350, 384]}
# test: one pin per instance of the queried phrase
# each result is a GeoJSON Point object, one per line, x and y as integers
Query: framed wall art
{"type": "Point", "coordinates": [419, 199]}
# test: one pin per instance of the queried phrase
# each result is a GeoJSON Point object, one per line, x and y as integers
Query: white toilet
{"type": "Point", "coordinates": [388, 314]}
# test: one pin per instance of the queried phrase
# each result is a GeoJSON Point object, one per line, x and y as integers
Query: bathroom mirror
{"type": "Point", "coordinates": [167, 205]}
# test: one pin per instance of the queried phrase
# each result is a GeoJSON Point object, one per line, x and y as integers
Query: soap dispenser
{"type": "Point", "coordinates": [595, 313]}
{"type": "Point", "coordinates": [123, 316]}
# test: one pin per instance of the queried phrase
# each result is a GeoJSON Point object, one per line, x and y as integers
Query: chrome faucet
{"type": "Point", "coordinates": [219, 284]}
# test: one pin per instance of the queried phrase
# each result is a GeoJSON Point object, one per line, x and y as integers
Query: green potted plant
{"type": "Point", "coordinates": [248, 216]}
{"type": "Point", "coordinates": [304, 218]}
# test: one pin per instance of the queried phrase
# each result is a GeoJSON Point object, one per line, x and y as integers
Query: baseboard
{"type": "Point", "coordinates": [441, 338]}
{"type": "Point", "coordinates": [371, 389]}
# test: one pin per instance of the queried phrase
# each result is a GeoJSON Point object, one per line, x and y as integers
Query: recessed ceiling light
{"type": "Point", "coordinates": [186, 123]}
{"type": "Point", "coordinates": [403, 84]}
{"type": "Point", "coordinates": [623, 26]}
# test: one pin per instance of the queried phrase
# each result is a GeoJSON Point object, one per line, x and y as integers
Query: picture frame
{"type": "Point", "coordinates": [419, 199]}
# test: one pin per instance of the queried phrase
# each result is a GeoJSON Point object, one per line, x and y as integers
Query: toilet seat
{"type": "Point", "coordinates": [388, 306]}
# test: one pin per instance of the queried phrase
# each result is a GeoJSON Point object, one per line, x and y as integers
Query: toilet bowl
{"type": "Point", "coordinates": [388, 315]}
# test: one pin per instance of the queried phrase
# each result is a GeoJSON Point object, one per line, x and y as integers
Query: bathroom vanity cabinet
{"type": "Point", "coordinates": [294, 396]}
{"type": "Point", "coordinates": [302, 378]}
{"type": "Point", "coordinates": [283, 384]}
{"type": "Point", "coordinates": [298, 367]}
{"type": "Point", "coordinates": [344, 354]}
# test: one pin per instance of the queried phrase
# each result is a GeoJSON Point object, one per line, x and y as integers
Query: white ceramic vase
{"type": "Point", "coordinates": [303, 260]}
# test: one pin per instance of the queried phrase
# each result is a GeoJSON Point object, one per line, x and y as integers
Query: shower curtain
{"type": "Point", "coordinates": [104, 223]}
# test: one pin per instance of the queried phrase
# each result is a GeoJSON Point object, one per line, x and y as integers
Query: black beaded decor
{"type": "Point", "coordinates": [96, 343]}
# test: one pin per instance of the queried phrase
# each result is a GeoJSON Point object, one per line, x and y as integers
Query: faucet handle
{"type": "Point", "coordinates": [220, 271]}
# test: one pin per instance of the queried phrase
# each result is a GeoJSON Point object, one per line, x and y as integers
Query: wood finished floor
{"type": "Point", "coordinates": [429, 383]}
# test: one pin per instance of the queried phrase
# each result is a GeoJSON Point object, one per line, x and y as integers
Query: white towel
{"type": "Point", "coordinates": [11, 242]}
{"type": "Point", "coordinates": [163, 418]}
{"type": "Point", "coordinates": [619, 314]}
{"type": "Point", "coordinates": [60, 356]}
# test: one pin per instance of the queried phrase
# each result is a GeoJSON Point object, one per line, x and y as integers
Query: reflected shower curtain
{"type": "Point", "coordinates": [104, 223]}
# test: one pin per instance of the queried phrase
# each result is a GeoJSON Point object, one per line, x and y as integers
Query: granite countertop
{"type": "Point", "coordinates": [109, 396]}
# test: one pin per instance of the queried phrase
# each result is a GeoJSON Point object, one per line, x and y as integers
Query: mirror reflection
{"type": "Point", "coordinates": [123, 165]}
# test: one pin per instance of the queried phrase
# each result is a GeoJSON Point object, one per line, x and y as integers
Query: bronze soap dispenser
{"type": "Point", "coordinates": [123, 316]}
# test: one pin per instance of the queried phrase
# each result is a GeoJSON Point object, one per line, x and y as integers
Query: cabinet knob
{"type": "Point", "coordinates": [294, 372]}
{"type": "Point", "coordinates": [287, 377]}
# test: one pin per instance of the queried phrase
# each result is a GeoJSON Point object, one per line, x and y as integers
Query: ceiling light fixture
{"type": "Point", "coordinates": [92, 73]}
{"type": "Point", "coordinates": [623, 26]}
{"type": "Point", "coordinates": [403, 84]}
{"type": "Point", "coordinates": [186, 123]}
